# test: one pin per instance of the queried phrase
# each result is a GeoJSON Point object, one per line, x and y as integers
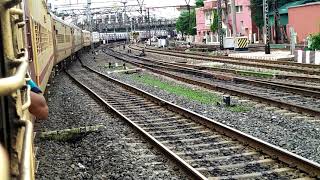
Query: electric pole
{"type": "Point", "coordinates": [276, 21]}
{"type": "Point", "coordinates": [220, 31]}
{"type": "Point", "coordinates": [234, 24]}
{"type": "Point", "coordinates": [189, 22]}
{"type": "Point", "coordinates": [125, 18]}
{"type": "Point", "coordinates": [266, 24]}
{"type": "Point", "coordinates": [149, 28]}
{"type": "Point", "coordinates": [89, 18]}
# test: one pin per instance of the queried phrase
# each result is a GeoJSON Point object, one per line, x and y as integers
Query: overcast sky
{"type": "Point", "coordinates": [165, 13]}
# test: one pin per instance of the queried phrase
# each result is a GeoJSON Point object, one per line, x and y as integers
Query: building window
{"type": "Point", "coordinates": [208, 16]}
{"type": "Point", "coordinates": [241, 28]}
{"type": "Point", "coordinates": [239, 9]}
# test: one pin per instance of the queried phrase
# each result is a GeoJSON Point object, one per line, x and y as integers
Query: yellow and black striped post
{"type": "Point", "coordinates": [241, 44]}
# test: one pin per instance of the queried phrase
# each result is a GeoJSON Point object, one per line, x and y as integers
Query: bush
{"type": "Point", "coordinates": [215, 24]}
{"type": "Point", "coordinates": [315, 42]}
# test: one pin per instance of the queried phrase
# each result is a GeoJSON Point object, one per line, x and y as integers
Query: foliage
{"type": "Point", "coordinates": [186, 92]}
{"type": "Point", "coordinates": [315, 42]}
{"type": "Point", "coordinates": [239, 108]}
{"type": "Point", "coordinates": [215, 23]}
{"type": "Point", "coordinates": [201, 96]}
{"type": "Point", "coordinates": [257, 9]}
{"type": "Point", "coordinates": [182, 24]}
{"type": "Point", "coordinates": [199, 3]}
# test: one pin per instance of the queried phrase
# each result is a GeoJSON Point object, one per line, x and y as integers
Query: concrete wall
{"type": "Point", "coordinates": [210, 4]}
{"type": "Point", "coordinates": [200, 20]}
{"type": "Point", "coordinates": [246, 27]}
{"type": "Point", "coordinates": [305, 20]}
{"type": "Point", "coordinates": [307, 57]}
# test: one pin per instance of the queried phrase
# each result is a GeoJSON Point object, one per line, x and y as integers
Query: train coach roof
{"type": "Point", "coordinates": [64, 22]}
{"type": "Point", "coordinates": [85, 31]}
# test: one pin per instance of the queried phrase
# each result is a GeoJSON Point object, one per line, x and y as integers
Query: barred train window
{"type": "Point", "coordinates": [44, 38]}
{"type": "Point", "coordinates": [37, 36]}
{"type": "Point", "coordinates": [60, 38]}
{"type": "Point", "coordinates": [67, 38]}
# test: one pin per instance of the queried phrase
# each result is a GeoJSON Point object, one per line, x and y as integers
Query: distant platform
{"type": "Point", "coordinates": [274, 56]}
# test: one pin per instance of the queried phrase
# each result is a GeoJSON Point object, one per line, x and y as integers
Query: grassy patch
{"type": "Point", "coordinates": [255, 74]}
{"type": "Point", "coordinates": [119, 67]}
{"type": "Point", "coordinates": [198, 95]}
{"type": "Point", "coordinates": [191, 94]}
{"type": "Point", "coordinates": [239, 108]}
{"type": "Point", "coordinates": [247, 72]}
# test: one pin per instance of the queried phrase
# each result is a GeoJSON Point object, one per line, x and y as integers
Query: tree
{"type": "Point", "coordinates": [182, 24]}
{"type": "Point", "coordinates": [215, 22]}
{"type": "Point", "coordinates": [315, 42]}
{"type": "Point", "coordinates": [199, 3]}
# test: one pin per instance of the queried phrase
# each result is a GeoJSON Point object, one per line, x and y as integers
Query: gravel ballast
{"type": "Point", "coordinates": [300, 137]}
{"type": "Point", "coordinates": [116, 152]}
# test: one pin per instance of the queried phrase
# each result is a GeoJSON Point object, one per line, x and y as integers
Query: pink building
{"type": "Point", "coordinates": [204, 17]}
{"type": "Point", "coordinates": [297, 20]}
{"type": "Point", "coordinates": [204, 14]}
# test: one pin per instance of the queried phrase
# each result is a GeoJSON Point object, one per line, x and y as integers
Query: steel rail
{"type": "Point", "coordinates": [280, 62]}
{"type": "Point", "coordinates": [305, 91]}
{"type": "Point", "coordinates": [251, 64]}
{"type": "Point", "coordinates": [293, 160]}
{"type": "Point", "coordinates": [234, 71]}
{"type": "Point", "coordinates": [195, 174]}
{"type": "Point", "coordinates": [274, 102]}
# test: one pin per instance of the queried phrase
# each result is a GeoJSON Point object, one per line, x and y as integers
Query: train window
{"type": "Point", "coordinates": [60, 38]}
{"type": "Point", "coordinates": [38, 37]}
{"type": "Point", "coordinates": [67, 38]}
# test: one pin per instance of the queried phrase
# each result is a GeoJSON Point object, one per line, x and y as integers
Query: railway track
{"type": "Point", "coordinates": [291, 98]}
{"type": "Point", "coordinates": [112, 150]}
{"type": "Point", "coordinates": [309, 90]}
{"type": "Point", "coordinates": [206, 149]}
{"type": "Point", "coordinates": [277, 65]}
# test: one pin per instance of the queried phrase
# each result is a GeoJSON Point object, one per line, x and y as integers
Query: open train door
{"type": "Point", "coordinates": [5, 116]}
{"type": "Point", "coordinates": [16, 127]}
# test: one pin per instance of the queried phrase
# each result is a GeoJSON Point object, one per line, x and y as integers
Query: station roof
{"type": "Point", "coordinates": [284, 9]}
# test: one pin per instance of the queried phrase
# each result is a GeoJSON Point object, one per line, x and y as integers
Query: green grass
{"type": "Point", "coordinates": [239, 108]}
{"type": "Point", "coordinates": [186, 92]}
{"type": "Point", "coordinates": [198, 95]}
{"type": "Point", "coordinates": [120, 67]}
{"type": "Point", "coordinates": [255, 74]}
{"type": "Point", "coordinates": [249, 72]}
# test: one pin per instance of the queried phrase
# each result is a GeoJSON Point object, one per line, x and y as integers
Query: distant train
{"type": "Point", "coordinates": [109, 37]}
{"type": "Point", "coordinates": [98, 38]}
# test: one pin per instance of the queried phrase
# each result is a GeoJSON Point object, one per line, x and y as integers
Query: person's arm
{"type": "Point", "coordinates": [38, 106]}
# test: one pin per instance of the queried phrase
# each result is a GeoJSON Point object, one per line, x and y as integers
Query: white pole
{"type": "Point", "coordinates": [234, 23]}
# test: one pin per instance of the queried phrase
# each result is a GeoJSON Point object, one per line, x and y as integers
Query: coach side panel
{"type": "Point", "coordinates": [63, 40]}
{"type": "Point", "coordinates": [77, 39]}
{"type": "Point", "coordinates": [40, 41]}
{"type": "Point", "coordinates": [86, 38]}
